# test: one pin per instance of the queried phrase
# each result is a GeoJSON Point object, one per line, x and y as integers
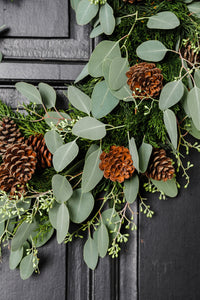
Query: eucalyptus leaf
{"type": "Point", "coordinates": [15, 258]}
{"type": "Point", "coordinates": [89, 128]}
{"type": "Point", "coordinates": [62, 226]}
{"type": "Point", "coordinates": [80, 206]}
{"type": "Point", "coordinates": [90, 253]}
{"type": "Point", "coordinates": [117, 73]}
{"type": "Point", "coordinates": [193, 131]}
{"type": "Point", "coordinates": [22, 234]}
{"type": "Point", "coordinates": [86, 11]}
{"type": "Point", "coordinates": [144, 152]}
{"type": "Point", "coordinates": [123, 94]}
{"type": "Point", "coordinates": [103, 102]}
{"type": "Point", "coordinates": [53, 212]}
{"type": "Point", "coordinates": [96, 31]}
{"type": "Point", "coordinates": [134, 153]}
{"type": "Point", "coordinates": [171, 94]}
{"type": "Point", "coordinates": [53, 117]}
{"type": "Point", "coordinates": [79, 100]}
{"type": "Point", "coordinates": [102, 240]}
{"type": "Point", "coordinates": [62, 189]}
{"type": "Point", "coordinates": [104, 50]}
{"type": "Point", "coordinates": [53, 140]}
{"type": "Point", "coordinates": [163, 20]}
{"type": "Point", "coordinates": [26, 267]}
{"type": "Point", "coordinates": [184, 101]}
{"type": "Point", "coordinates": [112, 221]}
{"type": "Point", "coordinates": [91, 149]}
{"type": "Point", "coordinates": [83, 74]}
{"type": "Point", "coordinates": [193, 102]}
{"type": "Point", "coordinates": [197, 77]}
{"type": "Point", "coordinates": [171, 126]}
{"type": "Point", "coordinates": [91, 172]}
{"type": "Point", "coordinates": [131, 188]}
{"type": "Point", "coordinates": [106, 70]}
{"type": "Point", "coordinates": [43, 237]}
{"type": "Point", "coordinates": [169, 187]}
{"type": "Point", "coordinates": [74, 4]}
{"type": "Point", "coordinates": [151, 50]}
{"type": "Point", "coordinates": [64, 155]}
{"type": "Point", "coordinates": [29, 91]}
{"type": "Point", "coordinates": [107, 19]}
{"type": "Point", "coordinates": [48, 95]}
{"type": "Point", "coordinates": [194, 8]}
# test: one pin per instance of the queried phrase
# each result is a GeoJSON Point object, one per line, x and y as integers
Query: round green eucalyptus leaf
{"type": "Point", "coordinates": [131, 188]}
{"type": "Point", "coordinates": [107, 19]}
{"type": "Point", "coordinates": [193, 103]}
{"type": "Point", "coordinates": [64, 155]}
{"type": "Point", "coordinates": [79, 100]}
{"type": "Point", "coordinates": [112, 221]}
{"type": "Point", "coordinates": [91, 172]}
{"type": "Point", "coordinates": [163, 20]}
{"type": "Point", "coordinates": [169, 187]}
{"type": "Point", "coordinates": [48, 95]}
{"type": "Point", "coordinates": [194, 8]}
{"type": "Point", "coordinates": [53, 117]}
{"type": "Point", "coordinates": [96, 31]}
{"type": "Point", "coordinates": [26, 267]}
{"type": "Point", "coordinates": [80, 206]}
{"type": "Point", "coordinates": [89, 128]}
{"type": "Point", "coordinates": [29, 91]}
{"type": "Point", "coordinates": [117, 73]}
{"type": "Point", "coordinates": [144, 156]}
{"type": "Point", "coordinates": [15, 258]}
{"type": "Point", "coordinates": [124, 93]}
{"type": "Point", "coordinates": [102, 240]}
{"type": "Point", "coordinates": [53, 212]}
{"type": "Point", "coordinates": [53, 140]}
{"type": "Point", "coordinates": [62, 224]}
{"type": "Point", "coordinates": [90, 253]}
{"type": "Point", "coordinates": [171, 126]}
{"type": "Point", "coordinates": [86, 11]}
{"type": "Point", "coordinates": [103, 51]}
{"type": "Point", "coordinates": [62, 189]}
{"type": "Point", "coordinates": [152, 50]}
{"type": "Point", "coordinates": [134, 153]}
{"type": "Point", "coordinates": [103, 102]}
{"type": "Point", "coordinates": [171, 94]}
{"type": "Point", "coordinates": [43, 238]}
{"type": "Point", "coordinates": [197, 77]}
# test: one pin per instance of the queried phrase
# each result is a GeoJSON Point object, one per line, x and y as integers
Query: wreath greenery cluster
{"type": "Point", "coordinates": [125, 133]}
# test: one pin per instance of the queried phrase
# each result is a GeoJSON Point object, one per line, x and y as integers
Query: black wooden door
{"type": "Point", "coordinates": [161, 261]}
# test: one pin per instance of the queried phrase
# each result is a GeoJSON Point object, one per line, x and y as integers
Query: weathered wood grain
{"type": "Point", "coordinates": [44, 18]}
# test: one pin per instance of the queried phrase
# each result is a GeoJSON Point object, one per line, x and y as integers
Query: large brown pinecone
{"type": "Point", "coordinates": [9, 134]}
{"type": "Point", "coordinates": [145, 80]}
{"type": "Point", "coordinates": [117, 164]}
{"type": "Point", "coordinates": [160, 166]}
{"type": "Point", "coordinates": [9, 183]}
{"type": "Point", "coordinates": [189, 54]}
{"type": "Point", "coordinates": [44, 156]}
{"type": "Point", "coordinates": [20, 160]}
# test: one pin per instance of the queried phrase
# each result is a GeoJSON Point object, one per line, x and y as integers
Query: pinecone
{"type": "Point", "coordinates": [9, 183]}
{"type": "Point", "coordinates": [44, 157]}
{"type": "Point", "coordinates": [188, 53]}
{"type": "Point", "coordinates": [9, 134]}
{"type": "Point", "coordinates": [145, 80]}
{"type": "Point", "coordinates": [20, 160]}
{"type": "Point", "coordinates": [117, 164]}
{"type": "Point", "coordinates": [160, 166]}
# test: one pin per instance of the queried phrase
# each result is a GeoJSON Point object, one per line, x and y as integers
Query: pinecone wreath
{"type": "Point", "coordinates": [117, 164]}
{"type": "Point", "coordinates": [160, 166]}
{"type": "Point", "coordinates": [9, 134]}
{"type": "Point", "coordinates": [145, 80]}
{"type": "Point", "coordinates": [44, 156]}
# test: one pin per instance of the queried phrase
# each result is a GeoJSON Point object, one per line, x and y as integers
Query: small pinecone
{"type": "Point", "coordinates": [145, 80]}
{"type": "Point", "coordinates": [160, 166]}
{"type": "Point", "coordinates": [9, 183]}
{"type": "Point", "coordinates": [117, 164]}
{"type": "Point", "coordinates": [44, 157]}
{"type": "Point", "coordinates": [189, 53]}
{"type": "Point", "coordinates": [9, 134]}
{"type": "Point", "coordinates": [20, 160]}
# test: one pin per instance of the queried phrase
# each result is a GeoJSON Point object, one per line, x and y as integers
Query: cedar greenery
{"type": "Point", "coordinates": [103, 115]}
